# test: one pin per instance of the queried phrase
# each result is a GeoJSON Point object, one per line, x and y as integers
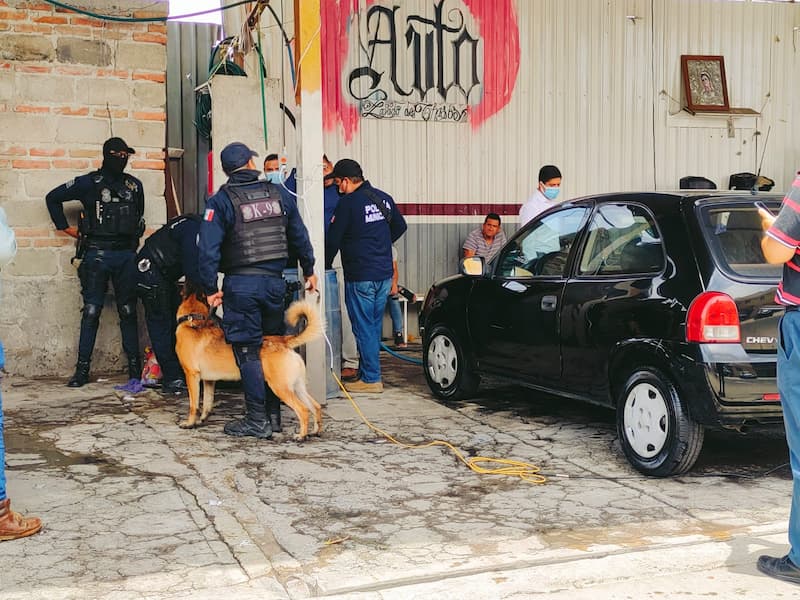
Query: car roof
{"type": "Point", "coordinates": [670, 198]}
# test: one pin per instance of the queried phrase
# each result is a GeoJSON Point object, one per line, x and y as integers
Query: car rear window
{"type": "Point", "coordinates": [733, 232]}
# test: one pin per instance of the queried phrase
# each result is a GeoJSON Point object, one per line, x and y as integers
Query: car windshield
{"type": "Point", "coordinates": [733, 232]}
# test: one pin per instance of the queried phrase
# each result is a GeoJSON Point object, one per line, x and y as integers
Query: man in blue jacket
{"type": "Point", "coordinates": [248, 231]}
{"type": "Point", "coordinates": [364, 226]}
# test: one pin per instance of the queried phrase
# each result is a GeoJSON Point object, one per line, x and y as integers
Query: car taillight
{"type": "Point", "coordinates": [713, 318]}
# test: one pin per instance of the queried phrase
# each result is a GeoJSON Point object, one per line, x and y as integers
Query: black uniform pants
{"type": "Point", "coordinates": [160, 298]}
{"type": "Point", "coordinates": [95, 271]}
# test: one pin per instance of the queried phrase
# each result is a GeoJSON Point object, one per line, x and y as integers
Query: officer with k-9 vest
{"type": "Point", "coordinates": [166, 256]}
{"type": "Point", "coordinates": [108, 232]}
{"type": "Point", "coordinates": [249, 229]}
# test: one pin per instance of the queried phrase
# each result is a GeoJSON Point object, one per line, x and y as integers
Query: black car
{"type": "Point", "coordinates": [659, 305]}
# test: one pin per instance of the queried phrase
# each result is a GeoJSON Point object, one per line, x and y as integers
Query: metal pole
{"type": "Point", "coordinates": [309, 162]}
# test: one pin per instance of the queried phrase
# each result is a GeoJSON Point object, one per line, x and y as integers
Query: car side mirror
{"type": "Point", "coordinates": [472, 265]}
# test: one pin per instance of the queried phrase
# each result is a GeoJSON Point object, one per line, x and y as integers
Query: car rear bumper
{"type": "Point", "coordinates": [728, 387]}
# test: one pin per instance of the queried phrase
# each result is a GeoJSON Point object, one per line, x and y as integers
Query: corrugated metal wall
{"type": "Point", "coordinates": [597, 93]}
{"type": "Point", "coordinates": [761, 61]}
{"type": "Point", "coordinates": [188, 50]}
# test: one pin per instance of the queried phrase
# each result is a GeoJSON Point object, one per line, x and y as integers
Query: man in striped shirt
{"type": "Point", "coordinates": [780, 245]}
{"type": "Point", "coordinates": [486, 240]}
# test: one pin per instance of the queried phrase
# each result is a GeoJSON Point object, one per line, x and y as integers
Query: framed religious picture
{"type": "Point", "coordinates": [704, 83]}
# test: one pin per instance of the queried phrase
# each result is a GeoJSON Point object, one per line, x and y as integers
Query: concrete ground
{"type": "Point", "coordinates": [136, 508]}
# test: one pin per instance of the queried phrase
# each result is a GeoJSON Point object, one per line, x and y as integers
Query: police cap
{"type": "Point", "coordinates": [114, 145]}
{"type": "Point", "coordinates": [234, 156]}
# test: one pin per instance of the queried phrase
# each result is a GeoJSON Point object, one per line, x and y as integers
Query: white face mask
{"type": "Point", "coordinates": [274, 177]}
{"type": "Point", "coordinates": [551, 193]}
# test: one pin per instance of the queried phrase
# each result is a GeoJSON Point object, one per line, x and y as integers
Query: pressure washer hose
{"type": "Point", "coordinates": [415, 361]}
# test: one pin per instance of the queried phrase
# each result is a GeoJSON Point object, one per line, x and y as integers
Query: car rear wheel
{"type": "Point", "coordinates": [447, 365]}
{"type": "Point", "coordinates": [658, 437]}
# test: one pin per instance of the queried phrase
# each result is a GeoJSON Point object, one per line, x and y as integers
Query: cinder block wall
{"type": "Point", "coordinates": [67, 83]}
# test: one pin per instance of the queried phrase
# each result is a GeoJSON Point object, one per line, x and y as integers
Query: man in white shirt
{"type": "Point", "coordinates": [545, 195]}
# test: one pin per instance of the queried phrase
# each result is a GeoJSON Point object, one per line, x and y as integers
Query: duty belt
{"type": "Point", "coordinates": [100, 244]}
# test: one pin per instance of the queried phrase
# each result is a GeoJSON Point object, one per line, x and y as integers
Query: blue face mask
{"type": "Point", "coordinates": [274, 177]}
{"type": "Point", "coordinates": [551, 193]}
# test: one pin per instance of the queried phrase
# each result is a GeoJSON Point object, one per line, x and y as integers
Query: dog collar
{"type": "Point", "coordinates": [191, 317]}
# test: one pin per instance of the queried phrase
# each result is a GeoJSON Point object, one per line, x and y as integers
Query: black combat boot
{"type": "Point", "coordinates": [256, 422]}
{"type": "Point", "coordinates": [174, 387]}
{"type": "Point", "coordinates": [135, 368]}
{"type": "Point", "coordinates": [81, 375]}
{"type": "Point", "coordinates": [274, 407]}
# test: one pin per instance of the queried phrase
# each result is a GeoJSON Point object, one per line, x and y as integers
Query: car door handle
{"type": "Point", "coordinates": [549, 303]}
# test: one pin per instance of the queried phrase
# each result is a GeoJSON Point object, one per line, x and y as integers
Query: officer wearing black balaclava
{"type": "Point", "coordinates": [110, 224]}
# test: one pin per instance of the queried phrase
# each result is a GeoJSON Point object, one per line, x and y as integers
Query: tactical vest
{"type": "Point", "coordinates": [113, 214]}
{"type": "Point", "coordinates": [164, 251]}
{"type": "Point", "coordinates": [259, 230]}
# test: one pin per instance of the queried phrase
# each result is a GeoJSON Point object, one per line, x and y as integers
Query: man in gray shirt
{"type": "Point", "coordinates": [486, 240]}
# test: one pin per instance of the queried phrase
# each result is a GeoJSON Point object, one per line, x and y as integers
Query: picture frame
{"type": "Point", "coordinates": [704, 83]}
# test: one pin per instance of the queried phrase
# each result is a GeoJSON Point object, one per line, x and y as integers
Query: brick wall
{"type": "Point", "coordinates": [67, 83]}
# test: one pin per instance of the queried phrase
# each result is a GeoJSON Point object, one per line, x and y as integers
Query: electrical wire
{"type": "Point", "coordinates": [286, 42]}
{"type": "Point", "coordinates": [117, 19]}
{"type": "Point", "coordinates": [261, 71]}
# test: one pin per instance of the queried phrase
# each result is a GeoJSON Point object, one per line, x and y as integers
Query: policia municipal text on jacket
{"type": "Point", "coordinates": [110, 224]}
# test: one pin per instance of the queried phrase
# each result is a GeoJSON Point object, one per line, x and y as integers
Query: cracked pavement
{"type": "Point", "coordinates": [135, 507]}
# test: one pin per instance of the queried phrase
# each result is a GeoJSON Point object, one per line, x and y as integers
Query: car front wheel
{"type": "Point", "coordinates": [657, 435]}
{"type": "Point", "coordinates": [447, 366]}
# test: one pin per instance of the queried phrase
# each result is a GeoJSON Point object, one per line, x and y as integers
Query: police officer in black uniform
{"type": "Point", "coordinates": [249, 229]}
{"type": "Point", "coordinates": [110, 224]}
{"type": "Point", "coordinates": [167, 255]}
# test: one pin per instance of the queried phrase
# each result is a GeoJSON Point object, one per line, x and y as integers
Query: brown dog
{"type": "Point", "coordinates": [206, 356]}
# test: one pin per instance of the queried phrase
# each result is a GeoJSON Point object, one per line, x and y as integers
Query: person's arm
{"type": "Point", "coordinates": [190, 235]}
{"type": "Point", "coordinates": [333, 238]}
{"type": "Point", "coordinates": [782, 233]}
{"type": "Point", "coordinates": [398, 225]}
{"type": "Point", "coordinates": [140, 202]}
{"type": "Point", "coordinates": [470, 246]}
{"type": "Point", "coordinates": [297, 236]}
{"type": "Point", "coordinates": [8, 241]}
{"type": "Point", "coordinates": [212, 234]}
{"type": "Point", "coordinates": [395, 277]}
{"type": "Point", "coordinates": [526, 213]}
{"type": "Point", "coordinates": [291, 182]}
{"type": "Point", "coordinates": [67, 192]}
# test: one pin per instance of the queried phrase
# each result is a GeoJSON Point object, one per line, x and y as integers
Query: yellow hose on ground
{"type": "Point", "coordinates": [514, 468]}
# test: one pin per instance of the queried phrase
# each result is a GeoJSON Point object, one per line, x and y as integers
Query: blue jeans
{"type": "Point", "coordinates": [789, 390]}
{"type": "Point", "coordinates": [397, 315]}
{"type": "Point", "coordinates": [2, 443]}
{"type": "Point", "coordinates": [366, 302]}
